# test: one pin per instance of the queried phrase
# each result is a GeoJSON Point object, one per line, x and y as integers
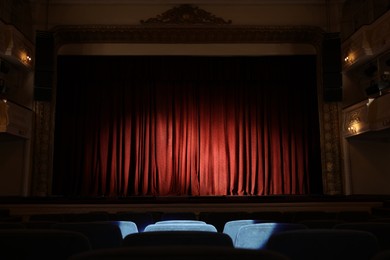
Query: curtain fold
{"type": "Point", "coordinates": [175, 126]}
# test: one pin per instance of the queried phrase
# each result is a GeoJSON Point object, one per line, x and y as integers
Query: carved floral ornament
{"type": "Point", "coordinates": [15, 47]}
{"type": "Point", "coordinates": [187, 24]}
{"type": "Point", "coordinates": [186, 14]}
{"type": "Point", "coordinates": [367, 43]}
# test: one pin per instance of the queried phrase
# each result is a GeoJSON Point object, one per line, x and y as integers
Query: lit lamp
{"type": "Point", "coordinates": [25, 57]}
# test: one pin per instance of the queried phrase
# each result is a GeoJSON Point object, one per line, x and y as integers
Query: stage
{"type": "Point", "coordinates": [26, 206]}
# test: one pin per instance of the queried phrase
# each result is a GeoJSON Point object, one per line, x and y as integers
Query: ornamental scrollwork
{"type": "Point", "coordinates": [186, 14]}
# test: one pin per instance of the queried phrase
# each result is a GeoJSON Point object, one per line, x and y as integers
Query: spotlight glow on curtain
{"type": "Point", "coordinates": [137, 126]}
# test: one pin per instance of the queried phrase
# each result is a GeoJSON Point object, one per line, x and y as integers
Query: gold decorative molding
{"type": "Point", "coordinates": [186, 14]}
{"type": "Point", "coordinates": [367, 42]}
{"type": "Point", "coordinates": [43, 144]}
{"type": "Point", "coordinates": [15, 119]}
{"type": "Point", "coordinates": [331, 150]}
{"type": "Point", "coordinates": [355, 119]}
{"type": "Point", "coordinates": [15, 47]}
{"type": "Point", "coordinates": [379, 113]}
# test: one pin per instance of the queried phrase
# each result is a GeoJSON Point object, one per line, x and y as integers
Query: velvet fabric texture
{"type": "Point", "coordinates": [186, 125]}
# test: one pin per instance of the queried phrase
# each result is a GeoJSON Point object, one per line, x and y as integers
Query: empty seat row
{"type": "Point", "coordinates": [246, 233]}
{"type": "Point", "coordinates": [278, 237]}
{"type": "Point", "coordinates": [62, 243]}
{"type": "Point", "coordinates": [179, 253]}
{"type": "Point", "coordinates": [322, 244]}
{"type": "Point", "coordinates": [293, 244]}
{"type": "Point", "coordinates": [104, 234]}
{"type": "Point", "coordinates": [41, 244]}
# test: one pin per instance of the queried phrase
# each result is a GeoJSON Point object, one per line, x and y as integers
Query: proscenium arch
{"type": "Point", "coordinates": [206, 34]}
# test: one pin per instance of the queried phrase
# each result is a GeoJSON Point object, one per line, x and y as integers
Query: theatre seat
{"type": "Point", "coordinates": [164, 222]}
{"type": "Point", "coordinates": [231, 227]}
{"type": "Point", "coordinates": [141, 219]}
{"type": "Point", "coordinates": [166, 238]}
{"type": "Point", "coordinates": [324, 244]}
{"type": "Point", "coordinates": [41, 244]}
{"type": "Point", "coordinates": [105, 234]}
{"type": "Point", "coordinates": [256, 236]}
{"type": "Point", "coordinates": [180, 227]}
{"type": "Point", "coordinates": [218, 219]}
{"type": "Point", "coordinates": [380, 230]}
{"type": "Point", "coordinates": [179, 253]}
{"type": "Point", "coordinates": [178, 216]}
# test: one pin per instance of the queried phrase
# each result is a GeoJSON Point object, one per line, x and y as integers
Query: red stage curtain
{"type": "Point", "coordinates": [135, 126]}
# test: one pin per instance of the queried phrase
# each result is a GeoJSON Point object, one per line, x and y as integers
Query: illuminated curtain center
{"type": "Point", "coordinates": [139, 126]}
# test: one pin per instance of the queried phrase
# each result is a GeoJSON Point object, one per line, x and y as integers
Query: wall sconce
{"type": "Point", "coordinates": [352, 130]}
{"type": "Point", "coordinates": [349, 59]}
{"type": "Point", "coordinates": [25, 57]}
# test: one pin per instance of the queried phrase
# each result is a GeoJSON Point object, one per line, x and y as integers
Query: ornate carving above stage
{"type": "Point", "coordinates": [189, 24]}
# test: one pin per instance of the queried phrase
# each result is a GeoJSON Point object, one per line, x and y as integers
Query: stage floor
{"type": "Point", "coordinates": [24, 206]}
{"type": "Point", "coordinates": [192, 199]}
